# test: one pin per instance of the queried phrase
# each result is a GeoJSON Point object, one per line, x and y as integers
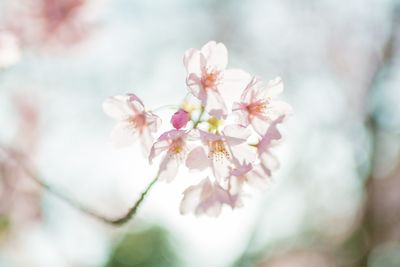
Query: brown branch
{"type": "Point", "coordinates": [15, 156]}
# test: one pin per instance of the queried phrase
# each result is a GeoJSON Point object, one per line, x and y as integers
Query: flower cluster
{"type": "Point", "coordinates": [224, 129]}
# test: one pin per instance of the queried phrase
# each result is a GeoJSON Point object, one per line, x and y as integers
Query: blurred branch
{"type": "Point", "coordinates": [18, 159]}
{"type": "Point", "coordinates": [367, 222]}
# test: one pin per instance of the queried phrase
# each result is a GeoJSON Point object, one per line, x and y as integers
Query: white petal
{"type": "Point", "coordinates": [194, 85]}
{"type": "Point", "coordinates": [275, 87]}
{"type": "Point", "coordinates": [153, 121]}
{"type": "Point", "coordinates": [220, 168]}
{"type": "Point", "coordinates": [146, 139]}
{"type": "Point", "coordinates": [192, 61]}
{"type": "Point", "coordinates": [124, 134]}
{"type": "Point", "coordinates": [216, 55]}
{"type": "Point", "coordinates": [244, 153]}
{"type": "Point", "coordinates": [237, 131]}
{"type": "Point", "coordinates": [191, 197]}
{"type": "Point", "coordinates": [234, 82]}
{"type": "Point", "coordinates": [157, 148]}
{"type": "Point", "coordinates": [260, 124]}
{"type": "Point", "coordinates": [168, 168]}
{"type": "Point", "coordinates": [197, 159]}
{"type": "Point", "coordinates": [215, 105]}
{"type": "Point", "coordinates": [117, 107]}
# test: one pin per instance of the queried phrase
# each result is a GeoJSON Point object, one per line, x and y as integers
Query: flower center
{"type": "Point", "coordinates": [210, 79]}
{"type": "Point", "coordinates": [139, 121]}
{"type": "Point", "coordinates": [217, 150]}
{"type": "Point", "coordinates": [257, 107]}
{"type": "Point", "coordinates": [176, 146]}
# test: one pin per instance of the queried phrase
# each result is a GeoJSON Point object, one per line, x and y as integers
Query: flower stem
{"type": "Point", "coordinates": [75, 204]}
{"type": "Point", "coordinates": [199, 118]}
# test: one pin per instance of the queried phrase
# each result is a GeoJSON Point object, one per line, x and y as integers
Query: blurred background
{"type": "Point", "coordinates": [335, 201]}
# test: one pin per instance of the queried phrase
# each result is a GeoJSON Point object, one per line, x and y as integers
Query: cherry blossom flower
{"type": "Point", "coordinates": [258, 106]}
{"type": "Point", "coordinates": [174, 143]}
{"type": "Point", "coordinates": [180, 119]}
{"type": "Point", "coordinates": [10, 52]}
{"type": "Point", "coordinates": [211, 143]}
{"type": "Point", "coordinates": [207, 76]}
{"type": "Point", "coordinates": [219, 151]}
{"type": "Point", "coordinates": [133, 121]}
{"type": "Point", "coordinates": [207, 198]}
{"type": "Point", "coordinates": [61, 19]}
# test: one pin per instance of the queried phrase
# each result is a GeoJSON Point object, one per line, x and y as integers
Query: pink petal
{"type": "Point", "coordinates": [168, 168]}
{"type": "Point", "coordinates": [153, 121]}
{"type": "Point", "coordinates": [163, 142]}
{"type": "Point", "coordinates": [216, 55]}
{"type": "Point", "coordinates": [191, 197]}
{"type": "Point", "coordinates": [234, 81]}
{"type": "Point", "coordinates": [193, 81]}
{"type": "Point", "coordinates": [117, 107]}
{"type": "Point", "coordinates": [135, 103]}
{"type": "Point", "coordinates": [243, 153]}
{"type": "Point", "coordinates": [242, 169]}
{"type": "Point", "coordinates": [241, 114]}
{"type": "Point", "coordinates": [146, 139]}
{"type": "Point", "coordinates": [277, 108]}
{"type": "Point", "coordinates": [197, 159]}
{"type": "Point", "coordinates": [260, 124]}
{"type": "Point", "coordinates": [192, 61]}
{"type": "Point", "coordinates": [215, 105]}
{"type": "Point", "coordinates": [237, 131]}
{"type": "Point", "coordinates": [250, 92]}
{"type": "Point", "coordinates": [272, 133]}
{"type": "Point", "coordinates": [205, 198]}
{"type": "Point", "coordinates": [269, 161]}
{"type": "Point", "coordinates": [220, 168]}
{"type": "Point", "coordinates": [124, 134]}
{"type": "Point", "coordinates": [259, 177]}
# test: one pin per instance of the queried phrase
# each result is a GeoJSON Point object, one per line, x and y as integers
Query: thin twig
{"type": "Point", "coordinates": [75, 204]}
{"type": "Point", "coordinates": [199, 118]}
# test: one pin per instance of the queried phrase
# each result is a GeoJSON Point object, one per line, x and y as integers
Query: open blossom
{"type": "Point", "coordinates": [219, 151]}
{"type": "Point", "coordinates": [207, 75]}
{"type": "Point", "coordinates": [207, 198]}
{"type": "Point", "coordinates": [133, 121]}
{"type": "Point", "coordinates": [10, 52]}
{"type": "Point", "coordinates": [258, 106]}
{"type": "Point", "coordinates": [174, 144]}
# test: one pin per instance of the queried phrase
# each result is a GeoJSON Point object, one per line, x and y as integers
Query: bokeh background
{"type": "Point", "coordinates": [335, 201]}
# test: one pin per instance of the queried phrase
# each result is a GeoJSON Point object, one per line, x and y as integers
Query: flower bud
{"type": "Point", "coordinates": [180, 119]}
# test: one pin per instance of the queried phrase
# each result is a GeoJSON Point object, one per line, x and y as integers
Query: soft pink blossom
{"type": "Point", "coordinates": [267, 160]}
{"type": "Point", "coordinates": [207, 198]}
{"type": "Point", "coordinates": [258, 106]}
{"type": "Point", "coordinates": [10, 52]}
{"type": "Point", "coordinates": [207, 76]}
{"type": "Point", "coordinates": [220, 151]}
{"type": "Point", "coordinates": [174, 143]}
{"type": "Point", "coordinates": [254, 175]}
{"type": "Point", "coordinates": [180, 119]}
{"type": "Point", "coordinates": [133, 121]}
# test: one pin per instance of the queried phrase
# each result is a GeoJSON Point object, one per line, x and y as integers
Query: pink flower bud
{"type": "Point", "coordinates": [180, 119]}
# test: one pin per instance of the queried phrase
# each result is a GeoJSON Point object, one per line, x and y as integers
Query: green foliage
{"type": "Point", "coordinates": [150, 248]}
